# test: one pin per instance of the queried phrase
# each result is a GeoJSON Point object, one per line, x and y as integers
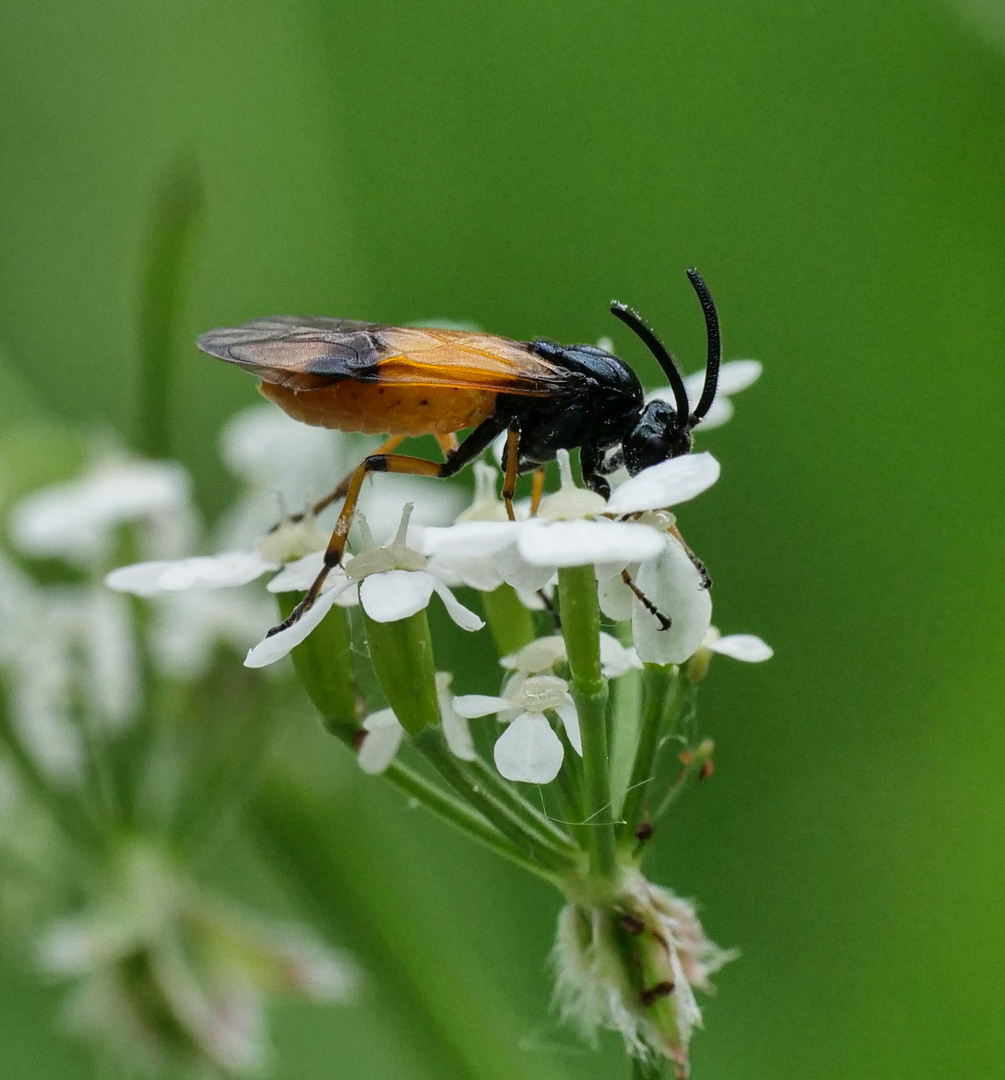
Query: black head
{"type": "Point", "coordinates": [663, 430]}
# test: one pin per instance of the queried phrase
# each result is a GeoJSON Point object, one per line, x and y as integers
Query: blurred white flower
{"type": "Point", "coordinates": [528, 750]}
{"type": "Point", "coordinates": [166, 974]}
{"type": "Point", "coordinates": [69, 658]}
{"type": "Point", "coordinates": [78, 521]}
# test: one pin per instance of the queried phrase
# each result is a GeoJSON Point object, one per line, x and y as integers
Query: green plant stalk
{"type": "Point", "coordinates": [550, 858]}
{"type": "Point", "coordinates": [510, 623]}
{"type": "Point", "coordinates": [172, 227]}
{"type": "Point", "coordinates": [577, 591]}
{"type": "Point", "coordinates": [462, 817]}
{"type": "Point", "coordinates": [536, 822]}
{"type": "Point", "coordinates": [402, 657]}
{"type": "Point", "coordinates": [663, 697]}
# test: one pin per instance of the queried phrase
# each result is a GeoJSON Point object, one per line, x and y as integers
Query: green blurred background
{"type": "Point", "coordinates": [836, 171]}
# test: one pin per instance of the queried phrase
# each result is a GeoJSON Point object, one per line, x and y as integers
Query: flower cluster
{"type": "Point", "coordinates": [602, 618]}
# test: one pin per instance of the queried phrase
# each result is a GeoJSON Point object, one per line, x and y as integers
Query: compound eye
{"type": "Point", "coordinates": [654, 450]}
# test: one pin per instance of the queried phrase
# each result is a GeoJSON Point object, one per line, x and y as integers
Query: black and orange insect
{"type": "Point", "coordinates": [405, 381]}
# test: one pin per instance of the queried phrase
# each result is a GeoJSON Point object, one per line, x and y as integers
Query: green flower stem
{"type": "Point", "coordinates": [509, 621]}
{"type": "Point", "coordinates": [700, 756]}
{"type": "Point", "coordinates": [458, 814]}
{"type": "Point", "coordinates": [323, 662]}
{"type": "Point", "coordinates": [514, 827]}
{"type": "Point", "coordinates": [72, 819]}
{"type": "Point", "coordinates": [577, 591]}
{"type": "Point", "coordinates": [402, 656]}
{"type": "Point", "coordinates": [518, 806]}
{"type": "Point", "coordinates": [662, 698]}
{"type": "Point", "coordinates": [324, 665]}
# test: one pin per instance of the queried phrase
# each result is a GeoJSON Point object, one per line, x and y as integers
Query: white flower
{"type": "Point", "coordinates": [528, 750]}
{"type": "Point", "coordinates": [393, 584]}
{"type": "Point", "coordinates": [570, 529]}
{"type": "Point", "coordinates": [675, 587]}
{"type": "Point", "coordinates": [78, 520]}
{"type": "Point", "coordinates": [734, 376]}
{"type": "Point", "coordinates": [64, 650]}
{"type": "Point", "coordinates": [544, 653]}
{"type": "Point", "coordinates": [383, 733]}
{"type": "Point", "coordinates": [223, 571]}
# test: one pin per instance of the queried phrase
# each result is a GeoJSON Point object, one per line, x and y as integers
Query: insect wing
{"type": "Point", "coordinates": [305, 354]}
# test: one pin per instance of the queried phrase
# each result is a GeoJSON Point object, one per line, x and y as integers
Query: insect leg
{"type": "Point", "coordinates": [664, 620]}
{"type": "Point", "coordinates": [537, 491]}
{"type": "Point", "coordinates": [340, 492]}
{"type": "Point", "coordinates": [448, 443]}
{"type": "Point", "coordinates": [512, 460]}
{"type": "Point", "coordinates": [706, 580]}
{"type": "Point", "coordinates": [397, 463]}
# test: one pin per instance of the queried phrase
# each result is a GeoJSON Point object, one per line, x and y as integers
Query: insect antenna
{"type": "Point", "coordinates": [634, 322]}
{"type": "Point", "coordinates": [714, 348]}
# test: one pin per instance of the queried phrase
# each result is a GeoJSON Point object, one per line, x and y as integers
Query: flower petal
{"type": "Point", "coordinates": [747, 647]}
{"type": "Point", "coordinates": [468, 538]}
{"type": "Point", "coordinates": [229, 568]}
{"type": "Point", "coordinates": [472, 705]}
{"type": "Point", "coordinates": [737, 375]}
{"type": "Point", "coordinates": [462, 616]}
{"type": "Point", "coordinates": [395, 594]}
{"type": "Point", "coordinates": [456, 730]}
{"type": "Point", "coordinates": [519, 573]}
{"type": "Point", "coordinates": [381, 742]}
{"type": "Point", "coordinates": [580, 543]}
{"type": "Point", "coordinates": [276, 646]}
{"type": "Point", "coordinates": [570, 721]}
{"type": "Point", "coordinates": [617, 601]}
{"type": "Point", "coordinates": [299, 575]}
{"type": "Point", "coordinates": [528, 750]}
{"type": "Point", "coordinates": [615, 659]}
{"type": "Point", "coordinates": [666, 484]}
{"type": "Point", "coordinates": [674, 585]}
{"type": "Point", "coordinates": [720, 412]}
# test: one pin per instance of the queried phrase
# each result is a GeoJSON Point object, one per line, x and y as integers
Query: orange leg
{"type": "Point", "coordinates": [340, 492]}
{"type": "Point", "coordinates": [706, 580]}
{"type": "Point", "coordinates": [509, 481]}
{"type": "Point", "coordinates": [448, 444]}
{"type": "Point", "coordinates": [394, 463]}
{"type": "Point", "coordinates": [537, 491]}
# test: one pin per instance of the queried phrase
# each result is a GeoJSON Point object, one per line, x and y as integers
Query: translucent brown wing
{"type": "Point", "coordinates": [306, 354]}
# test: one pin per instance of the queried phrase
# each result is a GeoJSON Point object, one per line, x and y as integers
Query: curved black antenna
{"type": "Point", "coordinates": [634, 321]}
{"type": "Point", "coordinates": [714, 348]}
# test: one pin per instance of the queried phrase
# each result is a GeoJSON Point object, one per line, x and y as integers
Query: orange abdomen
{"type": "Point", "coordinates": [375, 408]}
